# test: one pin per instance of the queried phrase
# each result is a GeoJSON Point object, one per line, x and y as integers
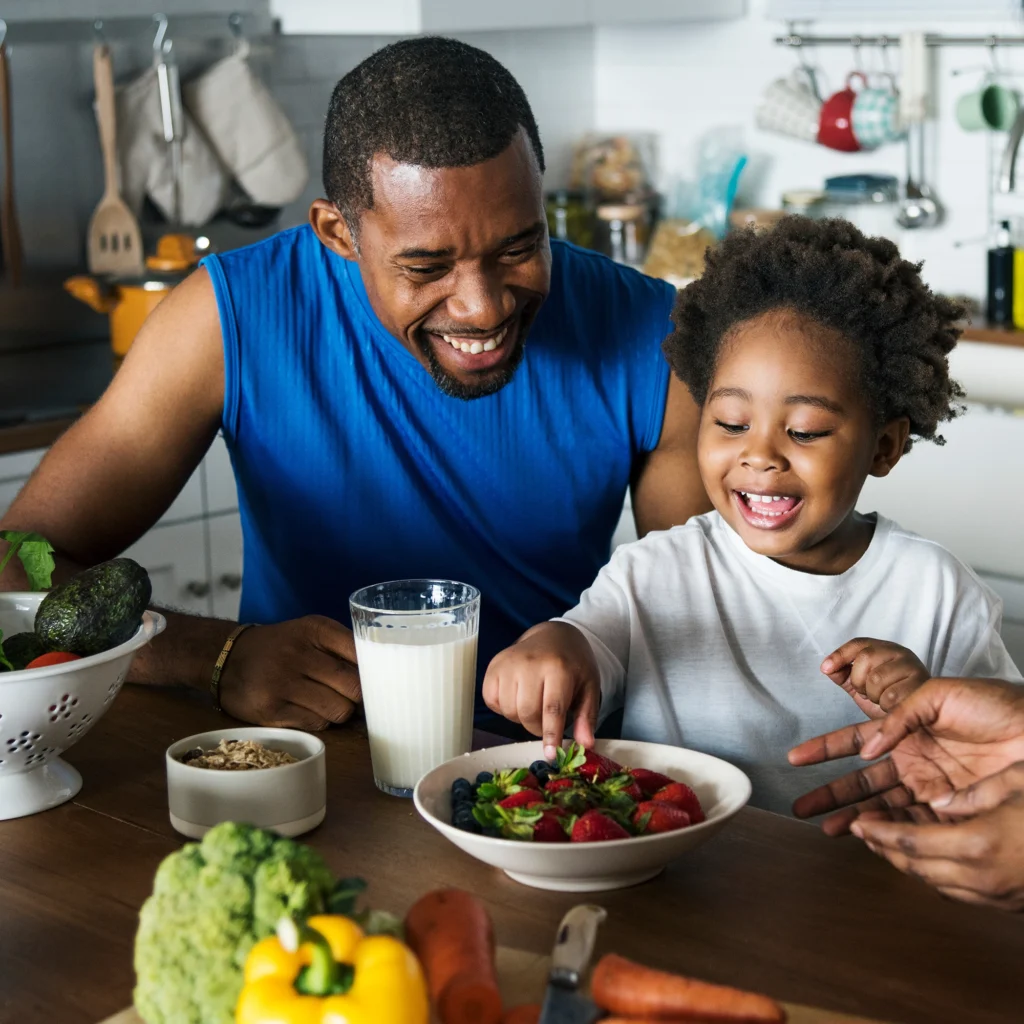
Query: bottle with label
{"type": "Point", "coordinates": [1018, 289]}
{"type": "Point", "coordinates": [1000, 278]}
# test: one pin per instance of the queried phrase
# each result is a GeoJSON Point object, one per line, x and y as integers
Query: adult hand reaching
{"type": "Point", "coordinates": [945, 736]}
{"type": "Point", "coordinates": [299, 674]}
{"type": "Point", "coordinates": [975, 854]}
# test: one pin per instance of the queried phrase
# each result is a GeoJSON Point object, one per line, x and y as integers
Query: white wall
{"type": "Point", "coordinates": [682, 80]}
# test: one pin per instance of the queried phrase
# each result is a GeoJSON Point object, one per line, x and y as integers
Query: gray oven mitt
{"type": "Point", "coordinates": [146, 157]}
{"type": "Point", "coordinates": [248, 130]}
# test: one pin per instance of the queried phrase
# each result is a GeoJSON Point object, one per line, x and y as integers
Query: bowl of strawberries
{"type": "Point", "coordinates": [597, 819]}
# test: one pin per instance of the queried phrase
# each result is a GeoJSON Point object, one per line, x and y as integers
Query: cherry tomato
{"type": "Point", "coordinates": [52, 658]}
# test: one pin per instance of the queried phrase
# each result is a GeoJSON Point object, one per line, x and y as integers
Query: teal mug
{"type": "Point", "coordinates": [992, 107]}
{"type": "Point", "coordinates": [876, 117]}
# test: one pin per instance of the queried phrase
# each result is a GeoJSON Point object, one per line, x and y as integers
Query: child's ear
{"type": "Point", "coordinates": [892, 440]}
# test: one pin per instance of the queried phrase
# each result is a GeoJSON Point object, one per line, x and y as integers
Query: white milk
{"type": "Point", "coordinates": [418, 686]}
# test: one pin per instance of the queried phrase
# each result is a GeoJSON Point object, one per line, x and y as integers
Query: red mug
{"type": "Point", "coordinates": [835, 127]}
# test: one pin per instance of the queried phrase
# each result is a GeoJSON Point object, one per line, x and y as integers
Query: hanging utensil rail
{"type": "Point", "coordinates": [798, 39]}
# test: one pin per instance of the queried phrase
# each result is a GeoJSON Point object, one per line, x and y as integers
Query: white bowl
{"type": "Point", "coordinates": [290, 799]}
{"type": "Point", "coordinates": [588, 867]}
{"type": "Point", "coordinates": [44, 711]}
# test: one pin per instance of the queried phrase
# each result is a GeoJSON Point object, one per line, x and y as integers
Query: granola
{"type": "Point", "coordinates": [237, 756]}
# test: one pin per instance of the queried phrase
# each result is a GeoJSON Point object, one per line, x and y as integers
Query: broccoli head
{"type": "Point", "coordinates": [211, 902]}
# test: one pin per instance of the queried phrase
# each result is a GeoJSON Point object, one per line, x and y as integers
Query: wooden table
{"type": "Point", "coordinates": [769, 904]}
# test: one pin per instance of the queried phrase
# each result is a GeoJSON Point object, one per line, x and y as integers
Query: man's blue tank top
{"type": "Point", "coordinates": [353, 468]}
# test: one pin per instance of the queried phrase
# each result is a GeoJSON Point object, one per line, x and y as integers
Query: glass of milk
{"type": "Point", "coordinates": [416, 648]}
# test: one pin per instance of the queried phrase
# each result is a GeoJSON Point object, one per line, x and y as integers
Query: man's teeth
{"type": "Point", "coordinates": [476, 347]}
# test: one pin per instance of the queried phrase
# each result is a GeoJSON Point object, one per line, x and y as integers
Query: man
{"type": "Point", "coordinates": [948, 804]}
{"type": "Point", "coordinates": [415, 384]}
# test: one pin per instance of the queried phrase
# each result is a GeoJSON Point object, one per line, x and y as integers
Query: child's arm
{"type": "Point", "coordinates": [877, 674]}
{"type": "Point", "coordinates": [549, 674]}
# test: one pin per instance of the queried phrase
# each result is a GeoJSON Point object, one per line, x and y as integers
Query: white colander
{"type": "Point", "coordinates": [43, 711]}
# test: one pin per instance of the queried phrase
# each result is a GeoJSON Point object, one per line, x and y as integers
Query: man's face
{"type": "Point", "coordinates": [456, 263]}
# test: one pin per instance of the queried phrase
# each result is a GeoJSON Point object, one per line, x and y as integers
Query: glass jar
{"type": "Point", "coordinates": [626, 232]}
{"type": "Point", "coordinates": [869, 201]}
{"type": "Point", "coordinates": [569, 218]}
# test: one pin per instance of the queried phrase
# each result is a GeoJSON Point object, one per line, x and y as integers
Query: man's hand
{"type": "Point", "coordinates": [877, 674]}
{"type": "Point", "coordinates": [976, 854]}
{"type": "Point", "coordinates": [945, 736]}
{"type": "Point", "coordinates": [300, 674]}
{"type": "Point", "coordinates": [546, 676]}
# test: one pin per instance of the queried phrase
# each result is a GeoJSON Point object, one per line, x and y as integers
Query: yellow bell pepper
{"type": "Point", "coordinates": [331, 973]}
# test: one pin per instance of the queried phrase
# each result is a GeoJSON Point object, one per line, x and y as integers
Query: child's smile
{"type": "Point", "coordinates": [787, 440]}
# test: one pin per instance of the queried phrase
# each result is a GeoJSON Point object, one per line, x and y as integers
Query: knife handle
{"type": "Point", "coordinates": [575, 943]}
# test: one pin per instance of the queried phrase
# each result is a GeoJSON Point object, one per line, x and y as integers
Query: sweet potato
{"type": "Point", "coordinates": [641, 993]}
{"type": "Point", "coordinates": [527, 1013]}
{"type": "Point", "coordinates": [450, 931]}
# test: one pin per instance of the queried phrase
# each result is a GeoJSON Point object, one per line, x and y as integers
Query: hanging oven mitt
{"type": "Point", "coordinates": [249, 131]}
{"type": "Point", "coordinates": [146, 158]}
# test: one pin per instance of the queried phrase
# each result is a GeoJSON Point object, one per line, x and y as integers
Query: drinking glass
{"type": "Point", "coordinates": [416, 646]}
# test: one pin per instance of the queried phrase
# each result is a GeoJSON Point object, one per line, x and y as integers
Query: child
{"type": "Point", "coordinates": [816, 355]}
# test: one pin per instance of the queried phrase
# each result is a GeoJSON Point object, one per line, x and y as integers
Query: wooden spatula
{"type": "Point", "coordinates": [115, 241]}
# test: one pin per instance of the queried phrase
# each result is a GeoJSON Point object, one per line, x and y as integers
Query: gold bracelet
{"type": "Point", "coordinates": [222, 658]}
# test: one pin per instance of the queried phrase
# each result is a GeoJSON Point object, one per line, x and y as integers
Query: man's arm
{"type": "Point", "coordinates": [117, 470]}
{"type": "Point", "coordinates": [667, 489]}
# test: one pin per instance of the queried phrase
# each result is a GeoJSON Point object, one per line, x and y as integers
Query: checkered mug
{"type": "Point", "coordinates": [876, 117]}
{"type": "Point", "coordinates": [789, 106]}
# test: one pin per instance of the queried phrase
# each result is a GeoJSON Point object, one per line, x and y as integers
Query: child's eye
{"type": "Point", "coordinates": [803, 436]}
{"type": "Point", "coordinates": [732, 428]}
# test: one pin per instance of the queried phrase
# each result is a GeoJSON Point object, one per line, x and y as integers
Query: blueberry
{"type": "Point", "coordinates": [484, 777]}
{"type": "Point", "coordinates": [540, 766]}
{"type": "Point", "coordinates": [462, 788]}
{"type": "Point", "coordinates": [542, 775]}
{"type": "Point", "coordinates": [463, 819]}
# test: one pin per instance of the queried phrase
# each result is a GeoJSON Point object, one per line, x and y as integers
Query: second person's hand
{"type": "Point", "coordinates": [546, 676]}
{"type": "Point", "coordinates": [299, 674]}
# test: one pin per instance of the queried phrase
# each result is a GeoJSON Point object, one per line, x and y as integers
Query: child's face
{"type": "Point", "coordinates": [785, 420]}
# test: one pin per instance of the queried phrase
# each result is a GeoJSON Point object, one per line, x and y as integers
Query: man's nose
{"type": "Point", "coordinates": [480, 299]}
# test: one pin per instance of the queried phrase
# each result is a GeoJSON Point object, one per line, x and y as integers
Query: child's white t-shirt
{"type": "Point", "coordinates": [714, 647]}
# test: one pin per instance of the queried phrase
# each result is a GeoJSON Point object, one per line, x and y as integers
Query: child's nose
{"type": "Point", "coordinates": [761, 455]}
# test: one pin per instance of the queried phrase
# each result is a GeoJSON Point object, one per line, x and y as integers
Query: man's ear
{"type": "Point", "coordinates": [892, 440]}
{"type": "Point", "coordinates": [332, 229]}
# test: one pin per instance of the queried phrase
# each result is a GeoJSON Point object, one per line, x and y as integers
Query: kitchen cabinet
{"type": "Point", "coordinates": [225, 538]}
{"type": "Point", "coordinates": [175, 558]}
{"type": "Point", "coordinates": [409, 17]}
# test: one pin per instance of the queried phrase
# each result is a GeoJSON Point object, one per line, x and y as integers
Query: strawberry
{"type": "Point", "coordinates": [529, 781]}
{"type": "Point", "coordinates": [524, 798]}
{"type": "Point", "coordinates": [649, 782]}
{"type": "Point", "coordinates": [549, 829]}
{"type": "Point", "coordinates": [595, 827]}
{"type": "Point", "coordinates": [680, 795]}
{"type": "Point", "coordinates": [624, 784]}
{"type": "Point", "coordinates": [554, 785]}
{"type": "Point", "coordinates": [653, 816]}
{"type": "Point", "coordinates": [598, 768]}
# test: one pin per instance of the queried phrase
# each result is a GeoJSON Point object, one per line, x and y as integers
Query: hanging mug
{"type": "Point", "coordinates": [835, 125]}
{"type": "Point", "coordinates": [993, 107]}
{"type": "Point", "coordinates": [790, 107]}
{"type": "Point", "coordinates": [876, 116]}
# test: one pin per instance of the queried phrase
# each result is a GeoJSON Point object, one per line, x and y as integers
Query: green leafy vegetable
{"type": "Point", "coordinates": [36, 554]}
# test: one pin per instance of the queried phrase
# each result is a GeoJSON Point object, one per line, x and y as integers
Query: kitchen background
{"type": "Point", "coordinates": [686, 83]}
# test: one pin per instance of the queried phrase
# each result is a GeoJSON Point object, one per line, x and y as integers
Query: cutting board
{"type": "Point", "coordinates": [523, 976]}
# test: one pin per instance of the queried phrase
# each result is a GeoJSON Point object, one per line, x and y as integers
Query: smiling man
{"type": "Point", "coordinates": [415, 384]}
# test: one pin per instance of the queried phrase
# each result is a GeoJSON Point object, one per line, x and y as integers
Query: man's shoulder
{"type": "Point", "coordinates": [277, 254]}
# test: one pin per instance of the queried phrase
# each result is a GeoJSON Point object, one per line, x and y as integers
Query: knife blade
{"type": "Point", "coordinates": [574, 944]}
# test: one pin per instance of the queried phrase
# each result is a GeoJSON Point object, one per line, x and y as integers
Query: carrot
{"type": "Point", "coordinates": [450, 931]}
{"type": "Point", "coordinates": [527, 1013]}
{"type": "Point", "coordinates": [637, 992]}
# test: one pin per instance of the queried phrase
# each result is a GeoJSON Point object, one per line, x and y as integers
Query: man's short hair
{"type": "Point", "coordinates": [429, 101]}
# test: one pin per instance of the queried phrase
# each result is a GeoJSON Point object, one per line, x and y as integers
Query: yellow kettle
{"type": "Point", "coordinates": [129, 300]}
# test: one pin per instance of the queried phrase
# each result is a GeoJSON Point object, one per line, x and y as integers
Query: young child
{"type": "Point", "coordinates": [816, 356]}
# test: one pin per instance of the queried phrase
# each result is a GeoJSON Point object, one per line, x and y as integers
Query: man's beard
{"type": "Point", "coordinates": [489, 385]}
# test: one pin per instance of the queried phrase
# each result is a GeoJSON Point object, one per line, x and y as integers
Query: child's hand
{"type": "Point", "coordinates": [877, 674]}
{"type": "Point", "coordinates": [548, 674]}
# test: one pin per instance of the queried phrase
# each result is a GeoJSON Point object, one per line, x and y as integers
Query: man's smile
{"type": "Point", "coordinates": [476, 352]}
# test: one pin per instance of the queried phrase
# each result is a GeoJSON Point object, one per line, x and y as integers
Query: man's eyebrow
{"type": "Point", "coordinates": [729, 393]}
{"type": "Point", "coordinates": [819, 401]}
{"type": "Point", "coordinates": [436, 254]}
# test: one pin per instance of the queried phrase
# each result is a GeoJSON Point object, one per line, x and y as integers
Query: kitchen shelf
{"type": "Point", "coordinates": [410, 17]}
{"type": "Point", "coordinates": [991, 334]}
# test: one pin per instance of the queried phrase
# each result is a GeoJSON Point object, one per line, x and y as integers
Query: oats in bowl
{"type": "Point", "coordinates": [237, 756]}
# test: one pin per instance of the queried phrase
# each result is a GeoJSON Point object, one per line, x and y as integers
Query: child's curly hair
{"type": "Point", "coordinates": [830, 272]}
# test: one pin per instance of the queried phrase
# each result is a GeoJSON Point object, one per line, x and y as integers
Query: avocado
{"type": "Point", "coordinates": [96, 609]}
{"type": "Point", "coordinates": [23, 648]}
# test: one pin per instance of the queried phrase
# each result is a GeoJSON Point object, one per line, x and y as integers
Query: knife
{"type": "Point", "coordinates": [577, 933]}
